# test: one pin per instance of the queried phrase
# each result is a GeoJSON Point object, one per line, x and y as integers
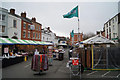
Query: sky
{"type": "Point", "coordinates": [92, 15]}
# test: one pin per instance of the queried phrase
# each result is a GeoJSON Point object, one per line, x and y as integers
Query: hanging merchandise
{"type": "Point", "coordinates": [39, 62]}
{"type": "Point", "coordinates": [50, 55]}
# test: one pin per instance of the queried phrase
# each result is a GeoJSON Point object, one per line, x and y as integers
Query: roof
{"type": "Point", "coordinates": [98, 39]}
{"type": "Point", "coordinates": [25, 19]}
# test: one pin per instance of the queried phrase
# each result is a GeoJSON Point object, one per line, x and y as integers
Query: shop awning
{"type": "Point", "coordinates": [24, 42]}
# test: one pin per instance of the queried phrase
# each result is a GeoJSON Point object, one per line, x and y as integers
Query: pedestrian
{"type": "Point", "coordinates": [36, 52]}
{"type": "Point", "coordinates": [70, 52]}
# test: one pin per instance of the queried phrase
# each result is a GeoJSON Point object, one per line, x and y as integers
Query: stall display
{"type": "Point", "coordinates": [12, 50]}
{"type": "Point", "coordinates": [11, 60]}
{"type": "Point", "coordinates": [50, 55]}
{"type": "Point", "coordinates": [39, 62]}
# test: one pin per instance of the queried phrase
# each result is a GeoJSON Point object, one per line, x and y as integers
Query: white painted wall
{"type": "Point", "coordinates": [11, 29]}
{"type": "Point", "coordinates": [113, 29]}
{"type": "Point", "coordinates": [48, 37]}
{"type": "Point", "coordinates": [3, 22]}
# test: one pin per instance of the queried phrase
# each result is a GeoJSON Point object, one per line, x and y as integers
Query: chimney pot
{"type": "Point", "coordinates": [12, 11]}
{"type": "Point", "coordinates": [34, 19]}
{"type": "Point", "coordinates": [23, 14]}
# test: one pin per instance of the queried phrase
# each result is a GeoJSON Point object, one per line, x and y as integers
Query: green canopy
{"type": "Point", "coordinates": [24, 42]}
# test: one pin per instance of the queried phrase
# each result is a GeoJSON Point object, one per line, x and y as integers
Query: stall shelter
{"type": "Point", "coordinates": [15, 50]}
{"type": "Point", "coordinates": [9, 41]}
{"type": "Point", "coordinates": [99, 53]}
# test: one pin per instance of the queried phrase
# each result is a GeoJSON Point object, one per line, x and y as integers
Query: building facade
{"type": "Point", "coordinates": [76, 39]}
{"type": "Point", "coordinates": [37, 31]}
{"type": "Point", "coordinates": [49, 36]}
{"type": "Point", "coordinates": [26, 31]}
{"type": "Point", "coordinates": [3, 22]}
{"type": "Point", "coordinates": [14, 25]}
{"type": "Point", "coordinates": [111, 28]}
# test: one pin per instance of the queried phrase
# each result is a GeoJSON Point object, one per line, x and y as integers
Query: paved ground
{"type": "Point", "coordinates": [58, 70]}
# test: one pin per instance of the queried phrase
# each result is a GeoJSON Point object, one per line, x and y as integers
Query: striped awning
{"type": "Point", "coordinates": [24, 42]}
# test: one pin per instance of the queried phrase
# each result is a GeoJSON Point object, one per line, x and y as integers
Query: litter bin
{"type": "Point", "coordinates": [61, 56]}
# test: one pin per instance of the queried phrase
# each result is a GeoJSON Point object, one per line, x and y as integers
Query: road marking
{"type": "Point", "coordinates": [105, 73]}
{"type": "Point", "coordinates": [27, 65]}
{"type": "Point", "coordinates": [92, 72]}
{"type": "Point", "coordinates": [118, 75]}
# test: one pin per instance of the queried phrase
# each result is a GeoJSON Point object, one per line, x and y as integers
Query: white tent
{"type": "Point", "coordinates": [98, 39]}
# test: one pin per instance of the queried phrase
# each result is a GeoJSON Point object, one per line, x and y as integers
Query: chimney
{"type": "Point", "coordinates": [48, 28]}
{"type": "Point", "coordinates": [12, 11]}
{"type": "Point", "coordinates": [34, 19]}
{"type": "Point", "coordinates": [23, 14]}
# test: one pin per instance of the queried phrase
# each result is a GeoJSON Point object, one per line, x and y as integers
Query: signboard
{"type": "Point", "coordinates": [108, 45]}
{"type": "Point", "coordinates": [6, 50]}
{"type": "Point", "coordinates": [81, 45]}
{"type": "Point", "coordinates": [75, 62]}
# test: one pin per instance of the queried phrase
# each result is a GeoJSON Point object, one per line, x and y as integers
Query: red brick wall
{"type": "Point", "coordinates": [76, 38]}
{"type": "Point", "coordinates": [31, 31]}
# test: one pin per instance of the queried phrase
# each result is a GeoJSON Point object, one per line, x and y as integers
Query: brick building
{"type": "Point", "coordinates": [76, 38]}
{"type": "Point", "coordinates": [30, 29]}
{"type": "Point", "coordinates": [37, 31]}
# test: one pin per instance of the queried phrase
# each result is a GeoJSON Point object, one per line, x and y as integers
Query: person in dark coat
{"type": "Point", "coordinates": [70, 52]}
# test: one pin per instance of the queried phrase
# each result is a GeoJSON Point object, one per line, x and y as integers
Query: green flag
{"type": "Point", "coordinates": [72, 13]}
{"type": "Point", "coordinates": [72, 33]}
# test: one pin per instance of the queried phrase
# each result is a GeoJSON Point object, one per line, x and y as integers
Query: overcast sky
{"type": "Point", "coordinates": [93, 15]}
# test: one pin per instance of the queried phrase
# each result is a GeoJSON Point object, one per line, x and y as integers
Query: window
{"type": "Point", "coordinates": [36, 36]}
{"type": "Point", "coordinates": [116, 18]}
{"type": "Point", "coordinates": [39, 36]}
{"type": "Point", "coordinates": [14, 23]}
{"type": "Point", "coordinates": [39, 28]}
{"type": "Point", "coordinates": [106, 25]}
{"type": "Point", "coordinates": [113, 35]}
{"type": "Point", "coordinates": [110, 36]}
{"type": "Point", "coordinates": [113, 20]}
{"type": "Point", "coordinates": [24, 34]}
{"type": "Point", "coordinates": [33, 35]}
{"type": "Point", "coordinates": [3, 28]}
{"type": "Point", "coordinates": [28, 27]}
{"type": "Point", "coordinates": [28, 34]}
{"type": "Point", "coordinates": [3, 17]}
{"type": "Point", "coordinates": [0, 16]}
{"type": "Point", "coordinates": [109, 23]}
{"type": "Point", "coordinates": [113, 27]}
{"type": "Point", "coordinates": [109, 29]}
{"type": "Point", "coordinates": [24, 25]}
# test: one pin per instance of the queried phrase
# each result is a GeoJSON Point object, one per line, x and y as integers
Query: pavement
{"type": "Point", "coordinates": [57, 71]}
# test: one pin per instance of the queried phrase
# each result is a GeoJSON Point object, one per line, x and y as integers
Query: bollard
{"type": "Point", "coordinates": [25, 58]}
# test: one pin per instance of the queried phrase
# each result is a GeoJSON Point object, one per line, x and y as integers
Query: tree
{"type": "Point", "coordinates": [88, 35]}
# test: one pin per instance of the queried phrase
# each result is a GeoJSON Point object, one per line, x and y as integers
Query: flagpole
{"type": "Point", "coordinates": [78, 26]}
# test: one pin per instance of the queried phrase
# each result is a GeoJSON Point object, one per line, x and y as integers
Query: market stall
{"type": "Point", "coordinates": [94, 54]}
{"type": "Point", "coordinates": [16, 50]}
